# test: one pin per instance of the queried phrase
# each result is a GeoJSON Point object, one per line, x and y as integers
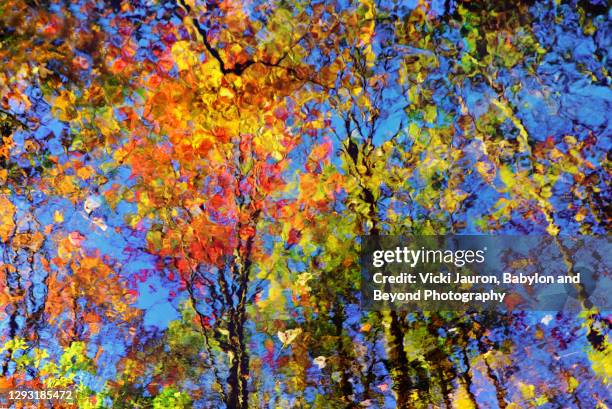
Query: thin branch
{"type": "Point", "coordinates": [239, 68]}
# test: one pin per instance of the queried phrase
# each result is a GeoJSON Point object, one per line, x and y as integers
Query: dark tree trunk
{"type": "Point", "coordinates": [399, 365]}
{"type": "Point", "coordinates": [238, 378]}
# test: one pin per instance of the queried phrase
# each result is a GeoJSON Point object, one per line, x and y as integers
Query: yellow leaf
{"type": "Point", "coordinates": [506, 176]}
{"type": "Point", "coordinates": [552, 229]}
{"type": "Point", "coordinates": [277, 155]}
{"type": "Point", "coordinates": [211, 69]}
{"type": "Point", "coordinates": [431, 113]}
{"type": "Point", "coordinates": [600, 362]}
{"type": "Point", "coordinates": [452, 198]}
{"type": "Point", "coordinates": [368, 5]}
{"type": "Point", "coordinates": [462, 399]}
{"type": "Point", "coordinates": [39, 355]}
{"type": "Point", "coordinates": [226, 92]}
{"type": "Point", "coordinates": [200, 137]}
{"type": "Point", "coordinates": [528, 391]}
{"type": "Point", "coordinates": [581, 214]}
{"type": "Point", "coordinates": [572, 384]}
{"type": "Point", "coordinates": [486, 170]}
{"type": "Point", "coordinates": [414, 130]}
{"type": "Point", "coordinates": [65, 185]}
{"type": "Point", "coordinates": [7, 224]}
{"type": "Point", "coordinates": [287, 337]}
{"type": "Point", "coordinates": [85, 172]}
{"type": "Point", "coordinates": [183, 56]}
{"type": "Point", "coordinates": [58, 217]}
